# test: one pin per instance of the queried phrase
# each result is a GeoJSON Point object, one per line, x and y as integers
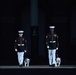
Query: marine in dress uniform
{"type": "Point", "coordinates": [20, 47]}
{"type": "Point", "coordinates": [52, 45]}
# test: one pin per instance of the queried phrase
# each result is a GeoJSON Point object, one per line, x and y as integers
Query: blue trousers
{"type": "Point", "coordinates": [52, 56]}
{"type": "Point", "coordinates": [20, 57]}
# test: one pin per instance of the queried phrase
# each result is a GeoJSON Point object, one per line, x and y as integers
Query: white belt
{"type": "Point", "coordinates": [52, 41]}
{"type": "Point", "coordinates": [20, 44]}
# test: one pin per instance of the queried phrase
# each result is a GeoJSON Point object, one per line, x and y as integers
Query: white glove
{"type": "Point", "coordinates": [16, 50]}
{"type": "Point", "coordinates": [57, 48]}
{"type": "Point", "coordinates": [25, 51]}
{"type": "Point", "coordinates": [47, 46]}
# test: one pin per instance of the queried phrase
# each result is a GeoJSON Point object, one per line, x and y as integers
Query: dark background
{"type": "Point", "coordinates": [22, 14]}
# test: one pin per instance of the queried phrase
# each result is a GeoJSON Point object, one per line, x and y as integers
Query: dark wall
{"type": "Point", "coordinates": [72, 47]}
{"type": "Point", "coordinates": [15, 15]}
{"type": "Point", "coordinates": [73, 25]}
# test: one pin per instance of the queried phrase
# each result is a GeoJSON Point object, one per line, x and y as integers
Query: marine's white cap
{"type": "Point", "coordinates": [51, 26]}
{"type": "Point", "coordinates": [21, 31]}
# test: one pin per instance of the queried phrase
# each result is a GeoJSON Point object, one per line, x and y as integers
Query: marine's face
{"type": "Point", "coordinates": [52, 30]}
{"type": "Point", "coordinates": [20, 35]}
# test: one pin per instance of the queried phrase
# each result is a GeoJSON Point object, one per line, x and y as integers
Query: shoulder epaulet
{"type": "Point", "coordinates": [15, 40]}
{"type": "Point", "coordinates": [55, 34]}
{"type": "Point", "coordinates": [46, 36]}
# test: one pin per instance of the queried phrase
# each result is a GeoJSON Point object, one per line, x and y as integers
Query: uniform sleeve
{"type": "Point", "coordinates": [15, 46]}
{"type": "Point", "coordinates": [47, 40]}
{"type": "Point", "coordinates": [26, 45]}
{"type": "Point", "coordinates": [57, 41]}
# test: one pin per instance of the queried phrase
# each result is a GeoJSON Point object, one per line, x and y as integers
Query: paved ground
{"type": "Point", "coordinates": [38, 67]}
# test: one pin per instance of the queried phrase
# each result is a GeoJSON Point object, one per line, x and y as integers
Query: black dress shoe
{"type": "Point", "coordinates": [21, 65]}
{"type": "Point", "coordinates": [53, 65]}
{"type": "Point", "coordinates": [50, 65]}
